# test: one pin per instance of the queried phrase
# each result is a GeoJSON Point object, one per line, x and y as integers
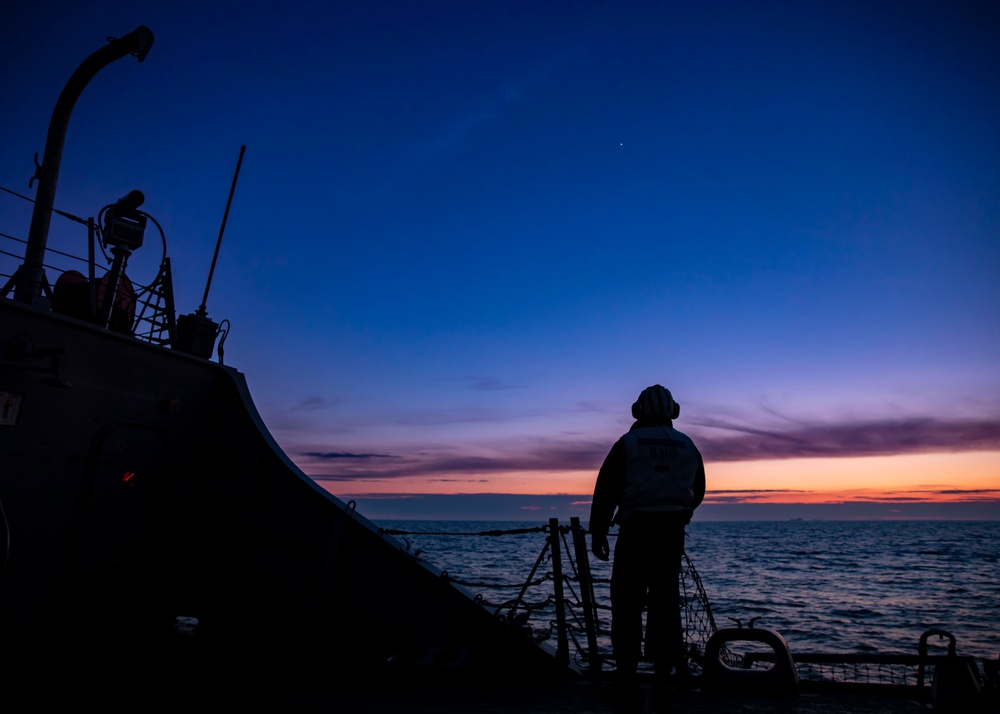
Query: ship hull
{"type": "Point", "coordinates": [145, 501]}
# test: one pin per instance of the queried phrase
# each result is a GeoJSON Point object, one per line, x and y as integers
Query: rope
{"type": "Point", "coordinates": [53, 210]}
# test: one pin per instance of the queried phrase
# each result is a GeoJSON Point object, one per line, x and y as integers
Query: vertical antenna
{"type": "Point", "coordinates": [225, 216]}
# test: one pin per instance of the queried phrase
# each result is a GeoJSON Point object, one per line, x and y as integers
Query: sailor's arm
{"type": "Point", "coordinates": [698, 487]}
{"type": "Point", "coordinates": [607, 493]}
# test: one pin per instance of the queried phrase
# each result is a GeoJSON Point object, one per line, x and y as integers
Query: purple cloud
{"type": "Point", "coordinates": [345, 455]}
{"type": "Point", "coordinates": [861, 438]}
{"type": "Point", "coordinates": [743, 443]}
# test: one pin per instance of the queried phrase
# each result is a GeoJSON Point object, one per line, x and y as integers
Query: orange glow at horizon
{"type": "Point", "coordinates": [912, 477]}
{"type": "Point", "coordinates": [909, 477]}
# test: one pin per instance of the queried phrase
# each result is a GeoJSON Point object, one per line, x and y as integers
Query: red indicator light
{"type": "Point", "coordinates": [128, 477]}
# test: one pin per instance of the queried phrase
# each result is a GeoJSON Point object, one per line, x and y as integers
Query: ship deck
{"type": "Point", "coordinates": [303, 683]}
{"type": "Point", "coordinates": [585, 698]}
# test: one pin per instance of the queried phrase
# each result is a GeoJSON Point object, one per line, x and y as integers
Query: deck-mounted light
{"type": "Point", "coordinates": [124, 225]}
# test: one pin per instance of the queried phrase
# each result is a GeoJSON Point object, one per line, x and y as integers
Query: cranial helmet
{"type": "Point", "coordinates": [655, 401]}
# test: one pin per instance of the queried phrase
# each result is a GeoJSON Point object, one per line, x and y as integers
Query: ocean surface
{"type": "Point", "coordinates": [826, 586]}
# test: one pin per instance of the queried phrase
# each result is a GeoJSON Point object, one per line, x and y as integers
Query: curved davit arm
{"type": "Point", "coordinates": [138, 42]}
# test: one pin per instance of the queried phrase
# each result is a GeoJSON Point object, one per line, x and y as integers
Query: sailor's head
{"type": "Point", "coordinates": [655, 402]}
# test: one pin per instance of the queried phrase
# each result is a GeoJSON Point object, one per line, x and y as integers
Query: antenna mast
{"type": "Point", "coordinates": [225, 217]}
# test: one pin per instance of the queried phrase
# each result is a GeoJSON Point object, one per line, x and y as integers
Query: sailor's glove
{"type": "Point", "coordinates": [599, 546]}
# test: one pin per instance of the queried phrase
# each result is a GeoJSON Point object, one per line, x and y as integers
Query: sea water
{"type": "Point", "coordinates": [826, 586]}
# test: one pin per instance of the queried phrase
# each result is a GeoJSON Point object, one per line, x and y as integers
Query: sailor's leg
{"type": "Point", "coordinates": [664, 628]}
{"type": "Point", "coordinates": [628, 595]}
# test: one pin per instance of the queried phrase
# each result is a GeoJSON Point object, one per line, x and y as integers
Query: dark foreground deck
{"type": "Point", "coordinates": [585, 698]}
{"type": "Point", "coordinates": [178, 674]}
{"type": "Point", "coordinates": [131, 680]}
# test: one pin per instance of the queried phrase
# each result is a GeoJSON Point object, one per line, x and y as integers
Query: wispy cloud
{"type": "Point", "coordinates": [536, 458]}
{"type": "Point", "coordinates": [758, 490]}
{"type": "Point", "coordinates": [747, 495]}
{"type": "Point", "coordinates": [969, 492]}
{"type": "Point", "coordinates": [301, 415]}
{"type": "Point", "coordinates": [984, 495]}
{"type": "Point", "coordinates": [327, 455]}
{"type": "Point", "coordinates": [490, 107]}
{"type": "Point", "coordinates": [846, 439]}
{"type": "Point", "coordinates": [576, 452]}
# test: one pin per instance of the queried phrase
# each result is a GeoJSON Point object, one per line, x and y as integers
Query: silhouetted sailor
{"type": "Point", "coordinates": [655, 477]}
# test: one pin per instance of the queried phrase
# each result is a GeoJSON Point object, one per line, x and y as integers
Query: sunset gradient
{"type": "Point", "coordinates": [467, 234]}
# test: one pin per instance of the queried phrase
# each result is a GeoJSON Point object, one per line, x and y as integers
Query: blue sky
{"type": "Point", "coordinates": [467, 234]}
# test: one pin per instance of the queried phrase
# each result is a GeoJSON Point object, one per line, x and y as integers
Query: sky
{"type": "Point", "coordinates": [466, 235]}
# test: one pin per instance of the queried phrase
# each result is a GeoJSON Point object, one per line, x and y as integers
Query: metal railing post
{"type": "Point", "coordinates": [587, 595]}
{"type": "Point", "coordinates": [562, 646]}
